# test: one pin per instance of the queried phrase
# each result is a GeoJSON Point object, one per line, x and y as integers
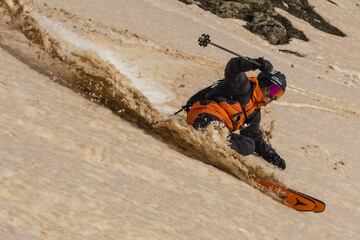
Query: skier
{"type": "Point", "coordinates": [236, 101]}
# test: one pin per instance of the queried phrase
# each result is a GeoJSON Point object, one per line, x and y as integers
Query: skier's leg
{"type": "Point", "coordinates": [203, 120]}
{"type": "Point", "coordinates": [241, 144]}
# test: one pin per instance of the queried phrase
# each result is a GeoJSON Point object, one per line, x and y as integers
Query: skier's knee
{"type": "Point", "coordinates": [241, 144]}
{"type": "Point", "coordinates": [248, 149]}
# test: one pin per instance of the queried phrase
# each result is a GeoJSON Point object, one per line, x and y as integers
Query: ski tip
{"type": "Point", "coordinates": [296, 200]}
{"type": "Point", "coordinates": [299, 202]}
{"type": "Point", "coordinates": [319, 208]}
{"type": "Point", "coordinates": [319, 205]}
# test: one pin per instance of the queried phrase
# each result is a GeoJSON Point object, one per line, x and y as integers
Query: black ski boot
{"type": "Point", "coordinates": [270, 155]}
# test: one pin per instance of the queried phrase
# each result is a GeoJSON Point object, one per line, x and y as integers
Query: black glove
{"type": "Point", "coordinates": [270, 155]}
{"type": "Point", "coordinates": [264, 65]}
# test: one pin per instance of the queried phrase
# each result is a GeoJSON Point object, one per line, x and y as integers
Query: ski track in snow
{"type": "Point", "coordinates": [225, 204]}
{"type": "Point", "coordinates": [155, 95]}
{"type": "Point", "coordinates": [304, 105]}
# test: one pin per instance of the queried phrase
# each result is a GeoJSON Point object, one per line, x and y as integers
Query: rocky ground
{"type": "Point", "coordinates": [263, 20]}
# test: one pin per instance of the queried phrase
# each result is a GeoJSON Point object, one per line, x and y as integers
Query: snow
{"type": "Point", "coordinates": [71, 169]}
{"type": "Point", "coordinates": [152, 92]}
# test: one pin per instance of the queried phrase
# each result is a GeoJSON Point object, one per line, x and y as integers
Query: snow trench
{"type": "Point", "coordinates": [99, 75]}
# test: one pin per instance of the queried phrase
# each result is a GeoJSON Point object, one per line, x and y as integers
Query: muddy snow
{"type": "Point", "coordinates": [89, 148]}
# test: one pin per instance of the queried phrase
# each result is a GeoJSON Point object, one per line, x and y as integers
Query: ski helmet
{"type": "Point", "coordinates": [274, 82]}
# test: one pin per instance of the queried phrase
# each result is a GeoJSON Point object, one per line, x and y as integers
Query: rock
{"type": "Point", "coordinates": [302, 9]}
{"type": "Point", "coordinates": [189, 2]}
{"type": "Point", "coordinates": [234, 10]}
{"type": "Point", "coordinates": [271, 29]}
{"type": "Point", "coordinates": [292, 52]}
{"type": "Point", "coordinates": [262, 19]}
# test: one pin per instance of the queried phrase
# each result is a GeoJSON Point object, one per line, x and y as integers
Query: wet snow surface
{"type": "Point", "coordinates": [72, 169]}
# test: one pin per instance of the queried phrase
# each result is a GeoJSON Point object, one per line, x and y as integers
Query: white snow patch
{"type": "Point", "coordinates": [304, 105]}
{"type": "Point", "coordinates": [153, 93]}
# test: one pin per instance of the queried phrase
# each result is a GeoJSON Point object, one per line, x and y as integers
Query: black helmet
{"type": "Point", "coordinates": [273, 77]}
{"type": "Point", "coordinates": [274, 81]}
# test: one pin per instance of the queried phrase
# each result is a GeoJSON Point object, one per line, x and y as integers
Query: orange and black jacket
{"type": "Point", "coordinates": [227, 110]}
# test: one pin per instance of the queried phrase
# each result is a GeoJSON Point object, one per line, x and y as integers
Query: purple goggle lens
{"type": "Point", "coordinates": [275, 91]}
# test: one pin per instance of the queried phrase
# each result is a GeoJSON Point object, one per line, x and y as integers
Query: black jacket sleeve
{"type": "Point", "coordinates": [238, 64]}
{"type": "Point", "coordinates": [253, 129]}
{"type": "Point", "coordinates": [262, 148]}
{"type": "Point", "coordinates": [253, 132]}
{"type": "Point", "coordinates": [249, 138]}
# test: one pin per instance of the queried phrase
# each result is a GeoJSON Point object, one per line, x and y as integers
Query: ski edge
{"type": "Point", "coordinates": [292, 198]}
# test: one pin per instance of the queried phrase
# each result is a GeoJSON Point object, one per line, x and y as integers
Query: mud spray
{"type": "Point", "coordinates": [98, 79]}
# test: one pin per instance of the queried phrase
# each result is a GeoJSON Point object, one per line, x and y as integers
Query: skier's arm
{"type": "Point", "coordinates": [253, 132]}
{"type": "Point", "coordinates": [262, 148]}
{"type": "Point", "coordinates": [245, 142]}
{"type": "Point", "coordinates": [253, 127]}
{"type": "Point", "coordinates": [239, 64]}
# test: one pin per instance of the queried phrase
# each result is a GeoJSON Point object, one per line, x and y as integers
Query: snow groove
{"type": "Point", "coordinates": [108, 82]}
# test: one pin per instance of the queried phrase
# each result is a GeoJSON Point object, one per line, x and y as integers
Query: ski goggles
{"type": "Point", "coordinates": [275, 91]}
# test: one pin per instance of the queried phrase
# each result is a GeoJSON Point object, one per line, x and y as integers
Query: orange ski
{"type": "Point", "coordinates": [294, 199]}
{"type": "Point", "coordinates": [319, 205]}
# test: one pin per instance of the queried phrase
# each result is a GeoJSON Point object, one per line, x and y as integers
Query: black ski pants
{"type": "Point", "coordinates": [250, 138]}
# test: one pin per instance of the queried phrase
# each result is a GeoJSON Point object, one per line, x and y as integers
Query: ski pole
{"type": "Point", "coordinates": [204, 40]}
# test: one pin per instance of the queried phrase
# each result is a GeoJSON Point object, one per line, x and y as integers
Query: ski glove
{"type": "Point", "coordinates": [269, 154]}
{"type": "Point", "coordinates": [264, 65]}
{"type": "Point", "coordinates": [277, 161]}
{"type": "Point", "coordinates": [272, 157]}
